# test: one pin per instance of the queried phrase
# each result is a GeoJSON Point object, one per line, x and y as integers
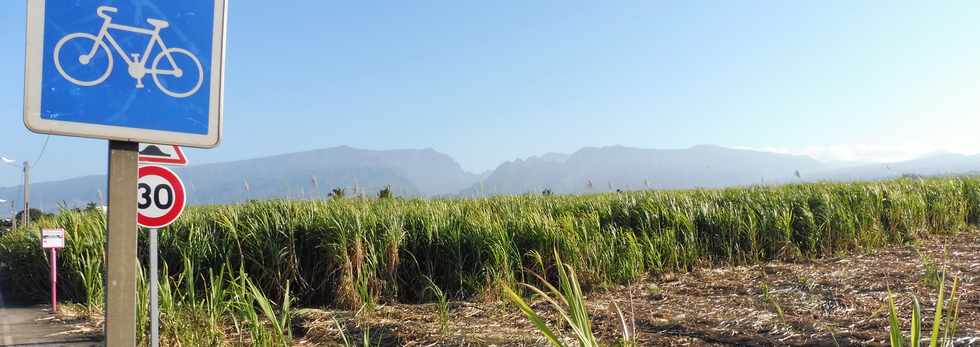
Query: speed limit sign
{"type": "Point", "coordinates": [161, 197]}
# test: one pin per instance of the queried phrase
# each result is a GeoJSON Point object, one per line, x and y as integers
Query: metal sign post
{"type": "Point", "coordinates": [154, 291]}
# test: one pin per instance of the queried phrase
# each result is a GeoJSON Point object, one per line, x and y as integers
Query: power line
{"type": "Point", "coordinates": [43, 149]}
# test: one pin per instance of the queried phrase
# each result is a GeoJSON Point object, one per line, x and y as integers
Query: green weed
{"type": "Point", "coordinates": [943, 324]}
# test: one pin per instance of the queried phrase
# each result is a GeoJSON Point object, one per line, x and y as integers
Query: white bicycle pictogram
{"type": "Point", "coordinates": [137, 66]}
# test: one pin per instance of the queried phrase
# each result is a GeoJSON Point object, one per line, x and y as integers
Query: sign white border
{"type": "Point", "coordinates": [58, 241]}
{"type": "Point", "coordinates": [32, 91]}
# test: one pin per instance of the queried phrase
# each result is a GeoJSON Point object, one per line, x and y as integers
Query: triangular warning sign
{"type": "Point", "coordinates": [162, 155]}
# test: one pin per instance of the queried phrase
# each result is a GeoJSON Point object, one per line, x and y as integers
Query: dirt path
{"type": "Point", "coordinates": [33, 326]}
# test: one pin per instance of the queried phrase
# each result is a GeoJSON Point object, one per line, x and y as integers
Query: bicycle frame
{"type": "Point", "coordinates": [105, 35]}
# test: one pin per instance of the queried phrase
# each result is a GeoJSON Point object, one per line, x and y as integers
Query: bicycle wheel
{"type": "Point", "coordinates": [83, 66]}
{"type": "Point", "coordinates": [180, 85]}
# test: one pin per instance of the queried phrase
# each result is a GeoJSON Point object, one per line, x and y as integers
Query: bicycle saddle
{"type": "Point", "coordinates": [158, 23]}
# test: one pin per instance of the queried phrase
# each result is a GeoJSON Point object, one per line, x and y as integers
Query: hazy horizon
{"type": "Point", "coordinates": [434, 174]}
{"type": "Point", "coordinates": [833, 163]}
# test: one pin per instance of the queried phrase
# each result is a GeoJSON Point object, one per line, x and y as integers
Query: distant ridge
{"type": "Point", "coordinates": [428, 173]}
{"type": "Point", "coordinates": [301, 175]}
{"type": "Point", "coordinates": [602, 169]}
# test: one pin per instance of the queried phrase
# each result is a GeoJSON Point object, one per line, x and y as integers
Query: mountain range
{"type": "Point", "coordinates": [428, 173]}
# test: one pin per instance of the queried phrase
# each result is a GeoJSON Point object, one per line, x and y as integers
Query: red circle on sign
{"type": "Point", "coordinates": [179, 197]}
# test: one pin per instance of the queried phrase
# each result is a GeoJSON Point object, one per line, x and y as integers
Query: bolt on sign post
{"type": "Point", "coordinates": [53, 240]}
{"type": "Point", "coordinates": [161, 201]}
{"type": "Point", "coordinates": [126, 71]}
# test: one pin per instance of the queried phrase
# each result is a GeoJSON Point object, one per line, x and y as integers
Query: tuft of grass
{"type": "Point", "coordinates": [281, 332]}
{"type": "Point", "coordinates": [442, 303]}
{"type": "Point", "coordinates": [943, 325]}
{"type": "Point", "coordinates": [768, 298]}
{"type": "Point", "coordinates": [569, 302]}
{"type": "Point", "coordinates": [932, 275]}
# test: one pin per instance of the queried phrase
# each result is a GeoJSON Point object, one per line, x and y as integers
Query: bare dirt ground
{"type": "Point", "coordinates": [827, 302]}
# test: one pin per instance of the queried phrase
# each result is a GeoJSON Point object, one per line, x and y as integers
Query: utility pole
{"type": "Point", "coordinates": [27, 191]}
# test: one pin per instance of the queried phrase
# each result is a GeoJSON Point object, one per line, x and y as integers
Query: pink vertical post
{"type": "Point", "coordinates": [54, 280]}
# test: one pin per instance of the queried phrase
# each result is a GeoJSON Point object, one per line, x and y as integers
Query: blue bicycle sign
{"type": "Point", "coordinates": [137, 65]}
{"type": "Point", "coordinates": [146, 71]}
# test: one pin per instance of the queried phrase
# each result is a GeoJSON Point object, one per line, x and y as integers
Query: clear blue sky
{"type": "Point", "coordinates": [492, 81]}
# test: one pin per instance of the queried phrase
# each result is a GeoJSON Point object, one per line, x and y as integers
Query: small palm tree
{"type": "Point", "coordinates": [386, 193]}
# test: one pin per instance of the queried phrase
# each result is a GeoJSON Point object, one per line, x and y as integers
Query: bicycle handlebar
{"type": "Point", "coordinates": [102, 10]}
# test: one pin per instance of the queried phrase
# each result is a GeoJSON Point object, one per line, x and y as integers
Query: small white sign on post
{"type": "Point", "coordinates": [53, 238]}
